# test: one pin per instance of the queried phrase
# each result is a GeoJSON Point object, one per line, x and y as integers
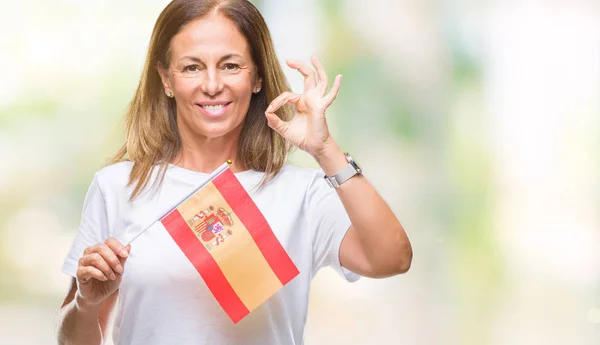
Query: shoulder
{"type": "Point", "coordinates": [117, 171]}
{"type": "Point", "coordinates": [294, 178]}
{"type": "Point", "coordinates": [299, 175]}
{"type": "Point", "coordinates": [114, 176]}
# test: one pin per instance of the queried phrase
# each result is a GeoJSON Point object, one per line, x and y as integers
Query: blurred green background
{"type": "Point", "coordinates": [478, 121]}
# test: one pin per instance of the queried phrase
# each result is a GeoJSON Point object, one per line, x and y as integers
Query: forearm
{"type": "Point", "coordinates": [381, 235]}
{"type": "Point", "coordinates": [79, 325]}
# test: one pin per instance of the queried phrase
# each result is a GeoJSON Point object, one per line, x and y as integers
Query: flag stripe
{"type": "Point", "coordinates": [205, 264]}
{"type": "Point", "coordinates": [239, 258]}
{"type": "Point", "coordinates": [249, 214]}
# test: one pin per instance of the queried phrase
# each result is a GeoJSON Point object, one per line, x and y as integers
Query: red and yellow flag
{"type": "Point", "coordinates": [231, 245]}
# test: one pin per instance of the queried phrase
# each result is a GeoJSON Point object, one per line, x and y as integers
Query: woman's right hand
{"type": "Point", "coordinates": [100, 271]}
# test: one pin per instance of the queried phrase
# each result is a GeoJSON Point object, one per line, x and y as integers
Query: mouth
{"type": "Point", "coordinates": [213, 109]}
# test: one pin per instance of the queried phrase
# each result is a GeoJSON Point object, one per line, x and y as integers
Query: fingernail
{"type": "Point", "coordinates": [119, 268]}
{"type": "Point", "coordinates": [112, 276]}
{"type": "Point", "coordinates": [124, 253]}
{"type": "Point", "coordinates": [270, 108]}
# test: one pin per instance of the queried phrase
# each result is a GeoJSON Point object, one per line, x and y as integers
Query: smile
{"type": "Point", "coordinates": [213, 109]}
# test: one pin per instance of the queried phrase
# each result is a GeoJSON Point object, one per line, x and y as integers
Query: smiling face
{"type": "Point", "coordinates": [211, 76]}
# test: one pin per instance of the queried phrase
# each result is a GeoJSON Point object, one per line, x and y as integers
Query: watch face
{"type": "Point", "coordinates": [354, 163]}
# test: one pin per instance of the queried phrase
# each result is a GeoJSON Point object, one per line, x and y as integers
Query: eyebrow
{"type": "Point", "coordinates": [198, 60]}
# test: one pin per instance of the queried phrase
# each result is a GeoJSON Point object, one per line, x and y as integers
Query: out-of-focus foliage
{"type": "Point", "coordinates": [477, 121]}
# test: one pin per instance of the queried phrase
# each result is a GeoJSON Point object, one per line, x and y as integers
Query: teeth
{"type": "Point", "coordinates": [213, 107]}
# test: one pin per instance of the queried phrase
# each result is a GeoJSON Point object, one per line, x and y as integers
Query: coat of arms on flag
{"type": "Point", "coordinates": [212, 226]}
{"type": "Point", "coordinates": [225, 236]}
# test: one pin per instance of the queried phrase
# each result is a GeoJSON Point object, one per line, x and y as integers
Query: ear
{"type": "Point", "coordinates": [257, 84]}
{"type": "Point", "coordinates": [164, 77]}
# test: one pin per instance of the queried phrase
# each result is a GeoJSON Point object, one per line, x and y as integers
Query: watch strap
{"type": "Point", "coordinates": [342, 176]}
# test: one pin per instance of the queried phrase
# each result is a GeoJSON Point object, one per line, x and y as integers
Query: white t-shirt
{"type": "Point", "coordinates": [163, 299]}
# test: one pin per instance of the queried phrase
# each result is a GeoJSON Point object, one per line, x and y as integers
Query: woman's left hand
{"type": "Point", "coordinates": [308, 129]}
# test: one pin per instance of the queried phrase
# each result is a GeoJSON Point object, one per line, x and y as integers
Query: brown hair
{"type": "Point", "coordinates": [152, 137]}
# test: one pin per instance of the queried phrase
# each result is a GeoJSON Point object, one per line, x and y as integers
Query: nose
{"type": "Point", "coordinates": [212, 84]}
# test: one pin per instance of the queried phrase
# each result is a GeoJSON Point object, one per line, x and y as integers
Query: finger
{"type": "Point", "coordinates": [279, 101]}
{"type": "Point", "coordinates": [323, 84]}
{"type": "Point", "coordinates": [85, 273]}
{"type": "Point", "coordinates": [97, 260]}
{"type": "Point", "coordinates": [107, 251]}
{"type": "Point", "coordinates": [117, 247]}
{"type": "Point", "coordinates": [335, 89]}
{"type": "Point", "coordinates": [276, 123]}
{"type": "Point", "coordinates": [122, 259]}
{"type": "Point", "coordinates": [310, 80]}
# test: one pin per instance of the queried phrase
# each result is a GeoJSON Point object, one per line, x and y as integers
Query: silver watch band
{"type": "Point", "coordinates": [347, 172]}
{"type": "Point", "coordinates": [342, 176]}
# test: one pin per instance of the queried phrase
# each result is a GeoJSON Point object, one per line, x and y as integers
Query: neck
{"type": "Point", "coordinates": [207, 154]}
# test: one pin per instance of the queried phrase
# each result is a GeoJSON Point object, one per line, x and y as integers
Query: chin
{"type": "Point", "coordinates": [214, 130]}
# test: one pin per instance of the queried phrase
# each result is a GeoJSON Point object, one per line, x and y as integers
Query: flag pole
{"type": "Point", "coordinates": [211, 177]}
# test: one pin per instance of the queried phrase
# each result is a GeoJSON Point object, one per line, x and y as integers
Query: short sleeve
{"type": "Point", "coordinates": [92, 229]}
{"type": "Point", "coordinates": [328, 220]}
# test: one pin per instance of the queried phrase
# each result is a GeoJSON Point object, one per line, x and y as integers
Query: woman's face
{"type": "Point", "coordinates": [212, 77]}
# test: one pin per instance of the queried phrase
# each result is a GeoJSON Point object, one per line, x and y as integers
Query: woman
{"type": "Point", "coordinates": [210, 72]}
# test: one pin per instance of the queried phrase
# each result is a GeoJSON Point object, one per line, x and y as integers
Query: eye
{"type": "Point", "coordinates": [231, 67]}
{"type": "Point", "coordinates": [191, 68]}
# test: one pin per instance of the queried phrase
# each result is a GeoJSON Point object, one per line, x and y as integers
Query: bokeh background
{"type": "Point", "coordinates": [478, 121]}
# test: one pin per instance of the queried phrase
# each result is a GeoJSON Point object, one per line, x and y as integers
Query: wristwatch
{"type": "Point", "coordinates": [345, 174]}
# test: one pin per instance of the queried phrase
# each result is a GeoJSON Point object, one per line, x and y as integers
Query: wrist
{"type": "Point", "coordinates": [330, 158]}
{"type": "Point", "coordinates": [84, 305]}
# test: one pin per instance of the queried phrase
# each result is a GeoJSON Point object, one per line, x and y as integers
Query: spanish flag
{"type": "Point", "coordinates": [230, 243]}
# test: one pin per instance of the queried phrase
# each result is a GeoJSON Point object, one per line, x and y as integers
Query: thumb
{"type": "Point", "coordinates": [276, 123]}
{"type": "Point", "coordinates": [124, 259]}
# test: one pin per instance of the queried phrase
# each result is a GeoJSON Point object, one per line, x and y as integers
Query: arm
{"type": "Point", "coordinates": [81, 323]}
{"type": "Point", "coordinates": [85, 312]}
{"type": "Point", "coordinates": [376, 244]}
